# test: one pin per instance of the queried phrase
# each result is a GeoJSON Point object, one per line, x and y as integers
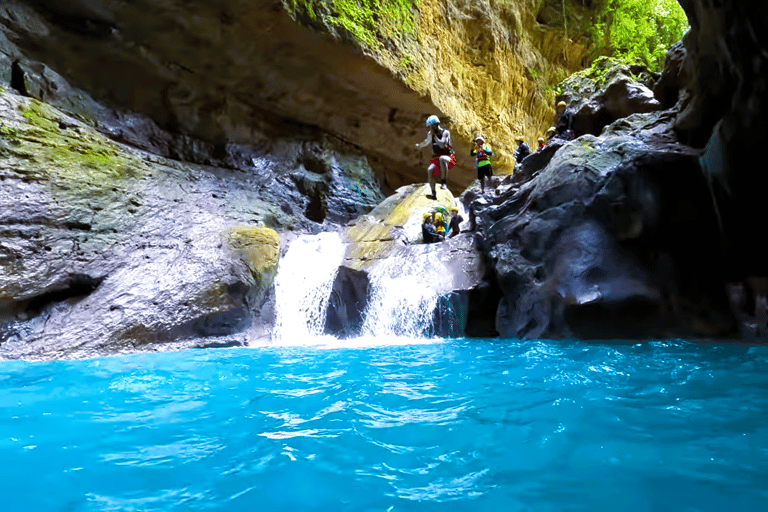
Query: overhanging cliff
{"type": "Point", "coordinates": [237, 72]}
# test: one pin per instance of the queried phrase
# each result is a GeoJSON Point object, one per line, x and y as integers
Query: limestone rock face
{"type": "Point", "coordinates": [608, 240]}
{"type": "Point", "coordinates": [724, 112]}
{"type": "Point", "coordinates": [237, 73]}
{"type": "Point", "coordinates": [106, 248]}
{"type": "Point", "coordinates": [387, 244]}
{"type": "Point", "coordinates": [617, 92]}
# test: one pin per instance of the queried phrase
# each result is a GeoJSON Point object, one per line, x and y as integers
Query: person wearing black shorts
{"type": "Point", "coordinates": [482, 153]}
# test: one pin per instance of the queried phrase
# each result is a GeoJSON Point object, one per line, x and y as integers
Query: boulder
{"type": "Point", "coordinates": [606, 92]}
{"type": "Point", "coordinates": [385, 247]}
{"type": "Point", "coordinates": [610, 239]}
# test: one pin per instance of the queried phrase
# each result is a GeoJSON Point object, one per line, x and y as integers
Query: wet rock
{"type": "Point", "coordinates": [110, 249]}
{"type": "Point", "coordinates": [387, 244]}
{"type": "Point", "coordinates": [608, 240]}
{"type": "Point", "coordinates": [606, 92]}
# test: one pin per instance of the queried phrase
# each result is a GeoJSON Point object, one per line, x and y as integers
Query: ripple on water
{"type": "Point", "coordinates": [454, 425]}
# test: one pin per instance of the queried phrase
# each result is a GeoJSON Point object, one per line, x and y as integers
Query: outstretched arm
{"type": "Point", "coordinates": [424, 143]}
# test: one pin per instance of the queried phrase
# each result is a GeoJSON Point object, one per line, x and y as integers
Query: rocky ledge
{"type": "Point", "coordinates": [107, 248]}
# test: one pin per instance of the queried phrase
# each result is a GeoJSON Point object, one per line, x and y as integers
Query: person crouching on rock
{"type": "Point", "coordinates": [428, 233]}
{"type": "Point", "coordinates": [442, 154]}
{"type": "Point", "coordinates": [522, 150]}
{"type": "Point", "coordinates": [482, 153]}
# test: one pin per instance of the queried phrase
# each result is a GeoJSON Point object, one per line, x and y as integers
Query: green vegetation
{"type": "Point", "coordinates": [638, 30]}
{"type": "Point", "coordinates": [72, 159]}
{"type": "Point", "coordinates": [368, 22]}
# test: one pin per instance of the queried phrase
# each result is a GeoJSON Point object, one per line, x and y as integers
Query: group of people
{"type": "Point", "coordinates": [439, 224]}
{"type": "Point", "coordinates": [444, 159]}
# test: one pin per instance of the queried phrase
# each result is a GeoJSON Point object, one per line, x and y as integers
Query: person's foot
{"type": "Point", "coordinates": [432, 196]}
{"type": "Point", "coordinates": [442, 184]}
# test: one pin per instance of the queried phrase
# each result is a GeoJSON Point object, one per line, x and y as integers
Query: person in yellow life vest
{"type": "Point", "coordinates": [441, 228]}
{"type": "Point", "coordinates": [482, 153]}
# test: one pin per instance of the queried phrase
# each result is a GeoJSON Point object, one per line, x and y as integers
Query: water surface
{"type": "Point", "coordinates": [452, 425]}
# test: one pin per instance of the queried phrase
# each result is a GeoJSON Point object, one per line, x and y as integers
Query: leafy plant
{"type": "Point", "coordinates": [639, 30]}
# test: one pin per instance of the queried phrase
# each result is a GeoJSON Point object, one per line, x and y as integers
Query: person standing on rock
{"type": "Point", "coordinates": [541, 144]}
{"type": "Point", "coordinates": [482, 153]}
{"type": "Point", "coordinates": [442, 153]}
{"type": "Point", "coordinates": [456, 219]}
{"type": "Point", "coordinates": [564, 121]}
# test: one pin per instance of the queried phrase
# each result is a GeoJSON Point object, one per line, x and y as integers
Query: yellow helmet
{"type": "Point", "coordinates": [552, 129]}
{"type": "Point", "coordinates": [541, 139]}
{"type": "Point", "coordinates": [561, 104]}
{"type": "Point", "coordinates": [426, 216]}
{"type": "Point", "coordinates": [453, 209]}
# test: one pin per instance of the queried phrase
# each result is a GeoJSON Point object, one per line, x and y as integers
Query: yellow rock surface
{"type": "Point", "coordinates": [378, 234]}
{"type": "Point", "coordinates": [259, 248]}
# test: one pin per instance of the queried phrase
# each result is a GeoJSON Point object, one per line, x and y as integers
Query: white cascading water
{"type": "Point", "coordinates": [403, 296]}
{"type": "Point", "coordinates": [303, 287]}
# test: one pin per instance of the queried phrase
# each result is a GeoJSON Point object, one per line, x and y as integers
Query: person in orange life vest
{"type": "Point", "coordinates": [482, 152]}
{"type": "Point", "coordinates": [442, 153]}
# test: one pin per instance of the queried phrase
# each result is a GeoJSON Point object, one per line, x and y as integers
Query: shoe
{"type": "Point", "coordinates": [431, 196]}
{"type": "Point", "coordinates": [442, 184]}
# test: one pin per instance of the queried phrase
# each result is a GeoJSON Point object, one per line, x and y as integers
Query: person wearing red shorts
{"type": "Point", "coordinates": [442, 153]}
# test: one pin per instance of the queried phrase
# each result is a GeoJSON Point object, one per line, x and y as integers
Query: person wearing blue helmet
{"type": "Point", "coordinates": [442, 153]}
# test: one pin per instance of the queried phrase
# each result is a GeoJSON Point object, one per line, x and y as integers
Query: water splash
{"type": "Point", "coordinates": [303, 286]}
{"type": "Point", "coordinates": [403, 296]}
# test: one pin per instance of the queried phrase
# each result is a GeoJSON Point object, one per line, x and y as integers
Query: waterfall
{"type": "Point", "coordinates": [303, 286]}
{"type": "Point", "coordinates": [403, 296]}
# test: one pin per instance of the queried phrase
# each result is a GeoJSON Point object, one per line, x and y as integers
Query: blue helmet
{"type": "Point", "coordinates": [432, 120]}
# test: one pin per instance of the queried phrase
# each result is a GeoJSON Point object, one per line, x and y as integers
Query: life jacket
{"type": "Point", "coordinates": [440, 226]}
{"type": "Point", "coordinates": [482, 156]}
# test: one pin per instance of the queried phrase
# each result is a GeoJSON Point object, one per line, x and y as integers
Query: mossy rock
{"type": "Point", "coordinates": [377, 235]}
{"type": "Point", "coordinates": [258, 248]}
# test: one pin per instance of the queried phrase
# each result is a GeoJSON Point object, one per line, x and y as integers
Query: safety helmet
{"type": "Point", "coordinates": [552, 129]}
{"type": "Point", "coordinates": [453, 209]}
{"type": "Point", "coordinates": [561, 104]}
{"type": "Point", "coordinates": [479, 138]}
{"type": "Point", "coordinates": [432, 120]}
{"type": "Point", "coordinates": [426, 216]}
{"type": "Point", "coordinates": [541, 139]}
{"type": "Point", "coordinates": [440, 209]}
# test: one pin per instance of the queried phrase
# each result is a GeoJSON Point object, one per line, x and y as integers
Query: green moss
{"type": "Point", "coordinates": [368, 22]}
{"type": "Point", "coordinates": [69, 154]}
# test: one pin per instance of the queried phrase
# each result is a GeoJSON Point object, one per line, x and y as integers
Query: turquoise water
{"type": "Point", "coordinates": [457, 425]}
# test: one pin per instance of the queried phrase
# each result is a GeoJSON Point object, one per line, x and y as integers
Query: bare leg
{"type": "Point", "coordinates": [431, 179]}
{"type": "Point", "coordinates": [444, 169]}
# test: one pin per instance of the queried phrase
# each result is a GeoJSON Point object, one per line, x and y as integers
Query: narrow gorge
{"type": "Point", "coordinates": [158, 160]}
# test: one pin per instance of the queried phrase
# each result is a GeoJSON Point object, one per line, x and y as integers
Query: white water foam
{"type": "Point", "coordinates": [403, 297]}
{"type": "Point", "coordinates": [303, 287]}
